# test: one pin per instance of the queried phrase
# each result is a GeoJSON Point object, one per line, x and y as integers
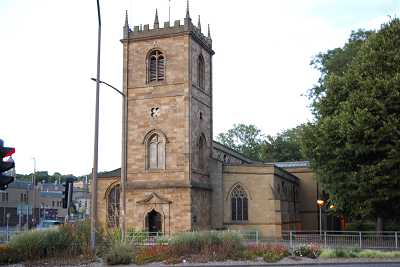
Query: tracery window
{"type": "Point", "coordinates": [156, 66]}
{"type": "Point", "coordinates": [113, 206]}
{"type": "Point", "coordinates": [155, 152]}
{"type": "Point", "coordinates": [239, 204]}
{"type": "Point", "coordinates": [200, 71]}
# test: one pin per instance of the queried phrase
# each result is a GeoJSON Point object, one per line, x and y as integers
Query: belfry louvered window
{"type": "Point", "coordinates": [239, 205]}
{"type": "Point", "coordinates": [200, 71]}
{"type": "Point", "coordinates": [156, 64]}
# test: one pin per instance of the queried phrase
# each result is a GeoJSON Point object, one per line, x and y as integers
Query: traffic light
{"type": "Point", "coordinates": [68, 190]}
{"type": "Point", "coordinates": [6, 166]}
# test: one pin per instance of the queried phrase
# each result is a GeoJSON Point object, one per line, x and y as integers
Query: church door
{"type": "Point", "coordinates": [153, 220]}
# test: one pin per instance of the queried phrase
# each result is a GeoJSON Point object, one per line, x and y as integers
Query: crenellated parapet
{"type": "Point", "coordinates": [155, 31]}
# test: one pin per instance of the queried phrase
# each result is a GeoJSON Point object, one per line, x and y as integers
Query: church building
{"type": "Point", "coordinates": [178, 177]}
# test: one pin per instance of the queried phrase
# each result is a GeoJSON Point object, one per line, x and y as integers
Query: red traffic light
{"type": "Point", "coordinates": [8, 151]}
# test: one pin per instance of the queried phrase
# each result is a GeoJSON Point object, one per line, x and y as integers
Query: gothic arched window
{"type": "Point", "coordinates": [113, 206]}
{"type": "Point", "coordinates": [239, 205]}
{"type": "Point", "coordinates": [201, 145]}
{"type": "Point", "coordinates": [156, 66]}
{"type": "Point", "coordinates": [155, 152]}
{"type": "Point", "coordinates": [200, 71]}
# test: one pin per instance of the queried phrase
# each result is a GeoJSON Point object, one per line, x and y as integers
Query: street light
{"type": "Point", "coordinates": [93, 214]}
{"type": "Point", "coordinates": [320, 203]}
{"type": "Point", "coordinates": [124, 151]}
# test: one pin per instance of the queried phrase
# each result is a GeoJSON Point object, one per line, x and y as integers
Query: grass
{"type": "Point", "coordinates": [357, 253]}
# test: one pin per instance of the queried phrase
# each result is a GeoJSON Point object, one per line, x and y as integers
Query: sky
{"type": "Point", "coordinates": [261, 68]}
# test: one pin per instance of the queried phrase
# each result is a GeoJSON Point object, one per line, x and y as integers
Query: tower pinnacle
{"type": "Point", "coordinates": [209, 32]}
{"type": "Point", "coordinates": [126, 19]}
{"type": "Point", "coordinates": [187, 10]}
{"type": "Point", "coordinates": [199, 24]}
{"type": "Point", "coordinates": [126, 29]}
{"type": "Point", "coordinates": [156, 23]}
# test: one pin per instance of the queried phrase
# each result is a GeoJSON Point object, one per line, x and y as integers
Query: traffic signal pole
{"type": "Point", "coordinates": [69, 201]}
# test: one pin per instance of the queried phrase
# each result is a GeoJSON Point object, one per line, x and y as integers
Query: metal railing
{"type": "Point", "coordinates": [146, 238]}
{"type": "Point", "coordinates": [343, 239]}
{"type": "Point", "coordinates": [292, 239]}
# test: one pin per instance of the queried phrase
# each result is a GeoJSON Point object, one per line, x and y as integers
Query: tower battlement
{"type": "Point", "coordinates": [141, 32]}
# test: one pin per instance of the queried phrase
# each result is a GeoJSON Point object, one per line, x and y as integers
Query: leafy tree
{"type": "Point", "coordinates": [354, 143]}
{"type": "Point", "coordinates": [285, 146]}
{"type": "Point", "coordinates": [249, 140]}
{"type": "Point", "coordinates": [246, 139]}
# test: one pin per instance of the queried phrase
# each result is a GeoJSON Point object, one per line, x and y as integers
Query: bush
{"type": "Point", "coordinates": [207, 245]}
{"type": "Point", "coordinates": [149, 254]}
{"type": "Point", "coordinates": [358, 253]}
{"type": "Point", "coordinates": [310, 251]}
{"type": "Point", "coordinates": [269, 253]}
{"type": "Point", "coordinates": [7, 255]}
{"type": "Point", "coordinates": [66, 240]}
{"type": "Point", "coordinates": [368, 253]}
{"type": "Point", "coordinates": [119, 253]}
{"type": "Point", "coordinates": [360, 226]}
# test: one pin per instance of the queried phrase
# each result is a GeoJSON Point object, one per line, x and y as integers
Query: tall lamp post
{"type": "Point", "coordinates": [124, 151]}
{"type": "Point", "coordinates": [93, 214]}
{"type": "Point", "coordinates": [320, 203]}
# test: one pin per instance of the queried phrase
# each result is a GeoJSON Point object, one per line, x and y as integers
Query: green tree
{"type": "Point", "coordinates": [354, 142]}
{"type": "Point", "coordinates": [246, 139]}
{"type": "Point", "coordinates": [285, 146]}
{"type": "Point", "coordinates": [251, 142]}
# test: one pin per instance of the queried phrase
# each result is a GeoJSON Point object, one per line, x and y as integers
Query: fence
{"type": "Point", "coordinates": [292, 239]}
{"type": "Point", "coordinates": [336, 239]}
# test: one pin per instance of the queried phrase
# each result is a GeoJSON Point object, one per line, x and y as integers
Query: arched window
{"type": "Point", "coordinates": [200, 71]}
{"type": "Point", "coordinates": [239, 205]}
{"type": "Point", "coordinates": [113, 206]}
{"type": "Point", "coordinates": [156, 152]}
{"type": "Point", "coordinates": [202, 147]}
{"type": "Point", "coordinates": [156, 66]}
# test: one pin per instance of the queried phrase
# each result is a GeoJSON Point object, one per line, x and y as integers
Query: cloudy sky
{"type": "Point", "coordinates": [261, 67]}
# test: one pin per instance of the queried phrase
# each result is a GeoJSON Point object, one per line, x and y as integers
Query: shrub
{"type": "Point", "coordinates": [270, 253]}
{"type": "Point", "coordinates": [207, 245]}
{"type": "Point", "coordinates": [149, 254]}
{"type": "Point", "coordinates": [65, 240]}
{"type": "Point", "coordinates": [309, 251]}
{"type": "Point", "coordinates": [119, 253]}
{"type": "Point", "coordinates": [368, 253]}
{"type": "Point", "coordinates": [7, 255]}
{"type": "Point", "coordinates": [29, 245]}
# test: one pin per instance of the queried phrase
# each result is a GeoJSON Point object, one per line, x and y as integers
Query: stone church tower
{"type": "Point", "coordinates": [178, 178]}
{"type": "Point", "coordinates": [168, 80]}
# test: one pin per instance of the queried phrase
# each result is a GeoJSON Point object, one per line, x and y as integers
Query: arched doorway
{"type": "Point", "coordinates": [153, 222]}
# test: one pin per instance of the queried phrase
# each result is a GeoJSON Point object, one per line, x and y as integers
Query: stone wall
{"type": "Point", "coordinates": [308, 194]}
{"type": "Point", "coordinates": [268, 212]}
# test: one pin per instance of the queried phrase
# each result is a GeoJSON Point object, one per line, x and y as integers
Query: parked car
{"type": "Point", "coordinates": [46, 224]}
